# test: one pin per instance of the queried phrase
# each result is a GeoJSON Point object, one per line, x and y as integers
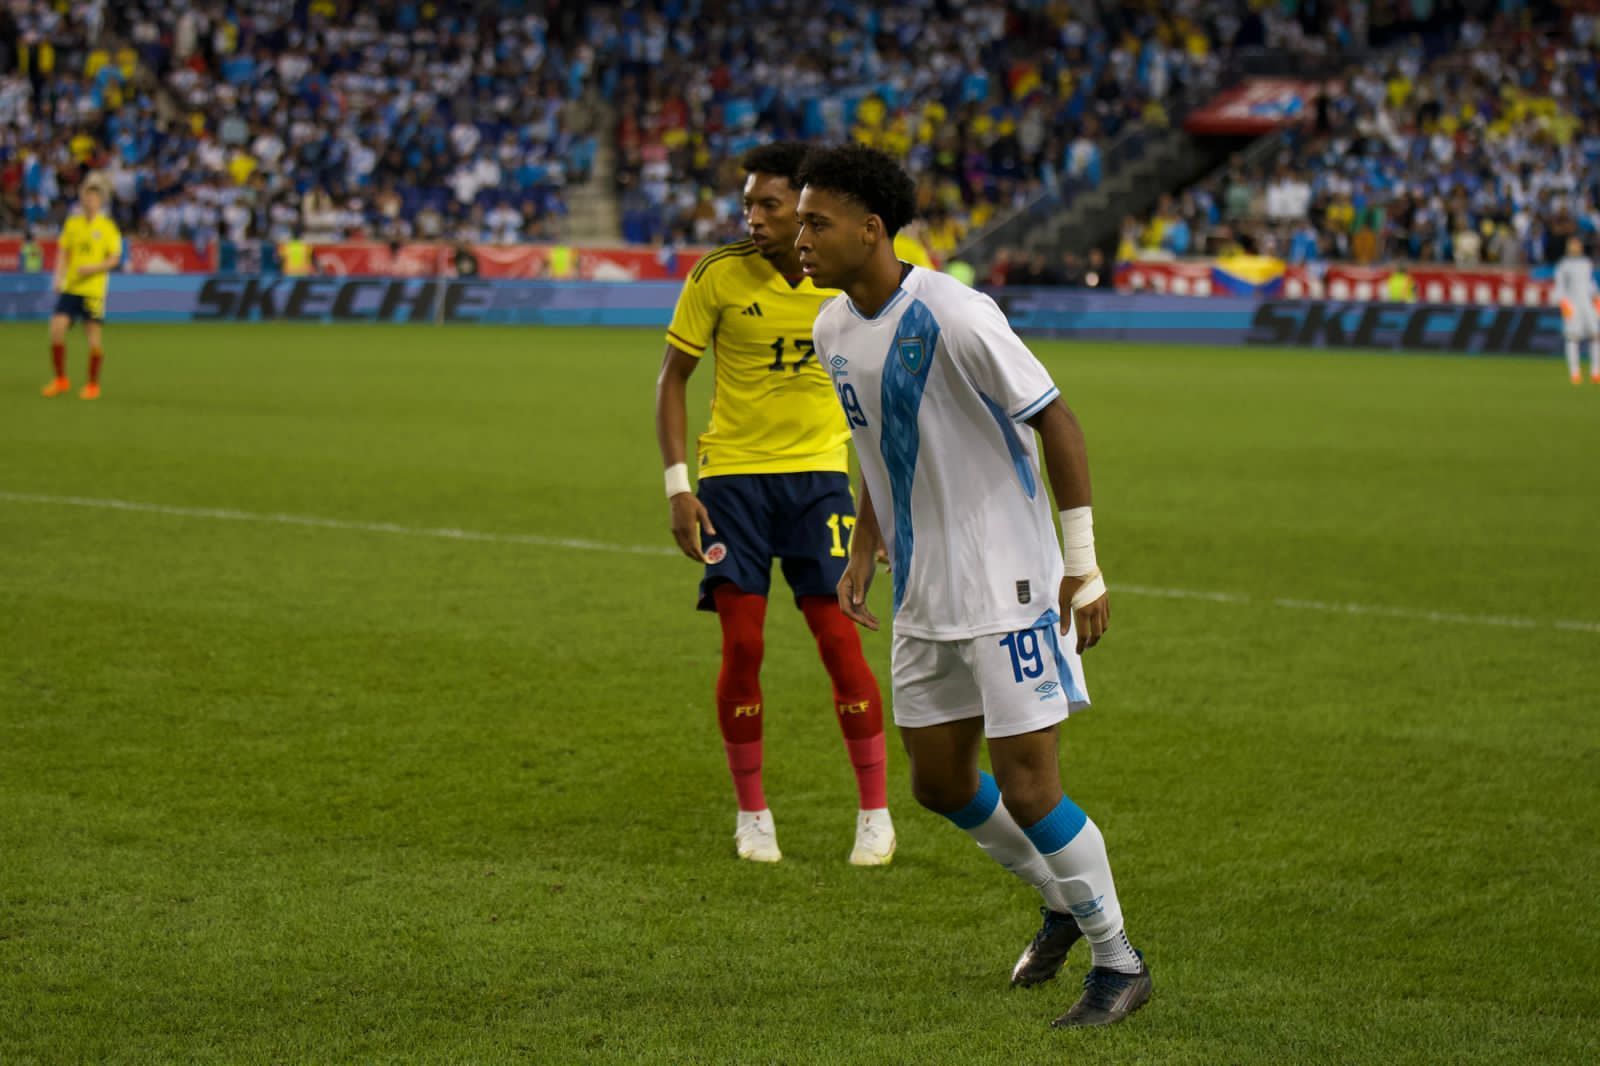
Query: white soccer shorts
{"type": "Point", "coordinates": [1582, 326]}
{"type": "Point", "coordinates": [1018, 682]}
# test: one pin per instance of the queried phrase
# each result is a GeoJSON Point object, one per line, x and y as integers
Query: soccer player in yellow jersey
{"type": "Point", "coordinates": [774, 483]}
{"type": "Point", "coordinates": [909, 248]}
{"type": "Point", "coordinates": [90, 247]}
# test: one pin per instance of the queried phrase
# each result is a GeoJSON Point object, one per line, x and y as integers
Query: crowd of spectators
{"type": "Point", "coordinates": [471, 119]}
{"type": "Point", "coordinates": [468, 121]}
{"type": "Point", "coordinates": [990, 103]}
{"type": "Point", "coordinates": [1488, 154]}
{"type": "Point", "coordinates": [260, 118]}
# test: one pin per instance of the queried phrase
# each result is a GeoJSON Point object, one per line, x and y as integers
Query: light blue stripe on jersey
{"type": "Point", "coordinates": [905, 374]}
{"type": "Point", "coordinates": [1019, 458]}
{"type": "Point", "coordinates": [881, 311]}
{"type": "Point", "coordinates": [1050, 623]}
{"type": "Point", "coordinates": [1036, 406]}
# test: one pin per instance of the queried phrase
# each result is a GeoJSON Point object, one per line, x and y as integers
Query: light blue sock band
{"type": "Point", "coordinates": [981, 806]}
{"type": "Point", "coordinates": [1058, 828]}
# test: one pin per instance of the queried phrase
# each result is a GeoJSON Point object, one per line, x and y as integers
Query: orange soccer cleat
{"type": "Point", "coordinates": [56, 388]}
{"type": "Point", "coordinates": [90, 391]}
{"type": "Point", "coordinates": [1595, 377]}
{"type": "Point", "coordinates": [1577, 379]}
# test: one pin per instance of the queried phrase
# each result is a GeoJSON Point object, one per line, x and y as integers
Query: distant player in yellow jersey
{"type": "Point", "coordinates": [90, 247]}
{"type": "Point", "coordinates": [774, 483]}
{"type": "Point", "coordinates": [909, 247]}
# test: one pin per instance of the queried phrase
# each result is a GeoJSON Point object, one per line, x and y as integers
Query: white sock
{"type": "Point", "coordinates": [1074, 851]}
{"type": "Point", "coordinates": [1594, 358]}
{"type": "Point", "coordinates": [987, 821]}
{"type": "Point", "coordinates": [1572, 357]}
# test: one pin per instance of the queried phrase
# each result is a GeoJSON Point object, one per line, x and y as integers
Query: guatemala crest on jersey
{"type": "Point", "coordinates": [913, 354]}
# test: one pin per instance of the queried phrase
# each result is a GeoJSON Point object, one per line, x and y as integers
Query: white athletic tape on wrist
{"type": "Point", "coordinates": [677, 478]}
{"type": "Point", "coordinates": [1077, 542]}
{"type": "Point", "coordinates": [1089, 591]}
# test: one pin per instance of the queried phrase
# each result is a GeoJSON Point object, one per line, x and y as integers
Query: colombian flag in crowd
{"type": "Point", "coordinates": [1247, 275]}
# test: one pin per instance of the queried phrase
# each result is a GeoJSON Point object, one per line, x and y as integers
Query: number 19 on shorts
{"type": "Point", "coordinates": [1026, 661]}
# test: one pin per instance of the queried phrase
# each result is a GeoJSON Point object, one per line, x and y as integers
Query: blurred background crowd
{"type": "Point", "coordinates": [476, 121]}
{"type": "Point", "coordinates": [1483, 155]}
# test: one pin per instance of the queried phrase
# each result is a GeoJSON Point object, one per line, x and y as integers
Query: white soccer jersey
{"type": "Point", "coordinates": [1575, 281]}
{"type": "Point", "coordinates": [936, 387]}
{"type": "Point", "coordinates": [1575, 285]}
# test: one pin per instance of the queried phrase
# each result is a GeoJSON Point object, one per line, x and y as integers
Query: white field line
{"type": "Point", "coordinates": [1368, 610]}
{"type": "Point", "coordinates": [315, 522]}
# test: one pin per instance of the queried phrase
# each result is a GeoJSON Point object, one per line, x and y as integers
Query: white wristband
{"type": "Point", "coordinates": [677, 478]}
{"type": "Point", "coordinates": [1089, 591]}
{"type": "Point", "coordinates": [1077, 542]}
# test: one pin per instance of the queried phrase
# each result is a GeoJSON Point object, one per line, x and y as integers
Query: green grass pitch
{"type": "Point", "coordinates": [291, 773]}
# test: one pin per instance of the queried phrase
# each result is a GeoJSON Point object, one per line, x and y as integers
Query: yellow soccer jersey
{"type": "Point", "coordinates": [908, 249]}
{"type": "Point", "coordinates": [85, 243]}
{"type": "Point", "coordinates": [773, 410]}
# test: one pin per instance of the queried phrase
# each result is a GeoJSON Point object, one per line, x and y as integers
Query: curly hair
{"type": "Point", "coordinates": [782, 159]}
{"type": "Point", "coordinates": [867, 176]}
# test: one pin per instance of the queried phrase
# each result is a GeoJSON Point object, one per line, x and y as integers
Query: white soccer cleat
{"type": "Point", "coordinates": [875, 838]}
{"type": "Point", "coordinates": [756, 838]}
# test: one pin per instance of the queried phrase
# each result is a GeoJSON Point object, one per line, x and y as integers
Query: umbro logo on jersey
{"type": "Point", "coordinates": [838, 362]}
{"type": "Point", "coordinates": [754, 311]}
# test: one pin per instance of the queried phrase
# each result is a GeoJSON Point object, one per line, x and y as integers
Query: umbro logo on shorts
{"type": "Point", "coordinates": [1046, 689]}
{"type": "Point", "coordinates": [754, 311]}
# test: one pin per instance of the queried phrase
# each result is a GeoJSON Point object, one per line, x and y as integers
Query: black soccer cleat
{"type": "Point", "coordinates": [1108, 997]}
{"type": "Point", "coordinates": [1042, 959]}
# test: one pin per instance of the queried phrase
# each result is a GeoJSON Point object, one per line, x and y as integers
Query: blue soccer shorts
{"type": "Point", "coordinates": [802, 520]}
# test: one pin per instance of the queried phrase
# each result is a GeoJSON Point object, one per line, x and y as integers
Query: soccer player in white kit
{"type": "Point", "coordinates": [1579, 300]}
{"type": "Point", "coordinates": [943, 400]}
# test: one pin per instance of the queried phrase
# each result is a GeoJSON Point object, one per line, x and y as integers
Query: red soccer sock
{"type": "Point", "coordinates": [96, 357]}
{"type": "Point", "coordinates": [58, 358]}
{"type": "Point", "coordinates": [855, 696]}
{"type": "Point", "coordinates": [739, 707]}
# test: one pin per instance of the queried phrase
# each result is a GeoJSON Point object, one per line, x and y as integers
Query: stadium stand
{"type": "Point", "coordinates": [987, 102]}
{"type": "Point", "coordinates": [1484, 155]}
{"type": "Point", "coordinates": [473, 121]}
{"type": "Point", "coordinates": [263, 117]}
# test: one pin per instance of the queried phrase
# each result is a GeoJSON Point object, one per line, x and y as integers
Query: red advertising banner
{"type": "Point", "coordinates": [1435, 285]}
{"type": "Point", "coordinates": [411, 260]}
{"type": "Point", "coordinates": [1259, 105]}
{"type": "Point", "coordinates": [168, 257]}
{"type": "Point", "coordinates": [504, 261]}
{"type": "Point", "coordinates": [1172, 278]}
{"type": "Point", "coordinates": [375, 259]}
{"type": "Point", "coordinates": [636, 264]}
{"type": "Point", "coordinates": [512, 260]}
{"type": "Point", "coordinates": [1338, 281]}
{"type": "Point", "coordinates": [140, 257]}
{"type": "Point", "coordinates": [11, 254]}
